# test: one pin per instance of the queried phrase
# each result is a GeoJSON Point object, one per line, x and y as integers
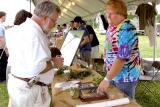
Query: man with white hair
{"type": "Point", "coordinates": [30, 57]}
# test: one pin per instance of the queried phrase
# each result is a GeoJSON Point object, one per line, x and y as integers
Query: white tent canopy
{"type": "Point", "coordinates": [88, 8]}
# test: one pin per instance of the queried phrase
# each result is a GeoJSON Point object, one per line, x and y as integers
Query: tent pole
{"type": "Point", "coordinates": [93, 23]}
{"type": "Point", "coordinates": [30, 2]}
{"type": "Point", "coordinates": [154, 47]}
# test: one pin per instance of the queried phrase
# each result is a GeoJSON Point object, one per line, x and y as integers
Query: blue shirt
{"type": "Point", "coordinates": [2, 30]}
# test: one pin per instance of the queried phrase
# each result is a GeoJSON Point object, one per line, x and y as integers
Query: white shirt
{"type": "Point", "coordinates": [28, 49]}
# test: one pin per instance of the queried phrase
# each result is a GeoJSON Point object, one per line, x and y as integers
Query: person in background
{"type": "Point", "coordinates": [65, 30]}
{"type": "Point", "coordinates": [125, 57]}
{"type": "Point", "coordinates": [94, 44]}
{"type": "Point", "coordinates": [85, 44]}
{"type": "Point", "coordinates": [3, 50]}
{"type": "Point", "coordinates": [59, 28]}
{"type": "Point", "coordinates": [72, 25]}
{"type": "Point", "coordinates": [104, 21]}
{"type": "Point", "coordinates": [30, 57]}
{"type": "Point", "coordinates": [20, 17]}
{"type": "Point", "coordinates": [59, 32]}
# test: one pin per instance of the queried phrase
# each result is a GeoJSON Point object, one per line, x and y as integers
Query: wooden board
{"type": "Point", "coordinates": [87, 92]}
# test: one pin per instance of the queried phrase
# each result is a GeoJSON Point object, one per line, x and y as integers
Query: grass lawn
{"type": "Point", "coordinates": [146, 100]}
{"type": "Point", "coordinates": [3, 95]}
{"type": "Point", "coordinates": [148, 94]}
{"type": "Point", "coordinates": [145, 50]}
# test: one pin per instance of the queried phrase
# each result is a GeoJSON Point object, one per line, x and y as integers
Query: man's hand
{"type": "Point", "coordinates": [58, 61]}
{"type": "Point", "coordinates": [103, 86]}
{"type": "Point", "coordinates": [84, 41]}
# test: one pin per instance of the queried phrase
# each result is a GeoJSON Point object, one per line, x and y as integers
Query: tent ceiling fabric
{"type": "Point", "coordinates": [87, 8]}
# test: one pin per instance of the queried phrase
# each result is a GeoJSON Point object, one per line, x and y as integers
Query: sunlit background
{"type": "Point", "coordinates": [11, 7]}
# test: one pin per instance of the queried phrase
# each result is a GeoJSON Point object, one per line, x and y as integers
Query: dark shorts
{"type": "Point", "coordinates": [3, 65]}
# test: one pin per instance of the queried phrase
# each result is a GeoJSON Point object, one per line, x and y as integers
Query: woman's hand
{"type": "Point", "coordinates": [103, 86]}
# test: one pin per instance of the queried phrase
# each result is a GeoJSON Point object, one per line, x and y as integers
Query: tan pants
{"type": "Point", "coordinates": [22, 96]}
{"type": "Point", "coordinates": [95, 52]}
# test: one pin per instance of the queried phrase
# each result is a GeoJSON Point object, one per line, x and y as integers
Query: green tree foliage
{"type": "Point", "coordinates": [131, 16]}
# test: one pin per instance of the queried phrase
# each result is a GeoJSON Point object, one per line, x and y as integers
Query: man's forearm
{"type": "Point", "coordinates": [48, 67]}
{"type": "Point", "coordinates": [84, 42]}
{"type": "Point", "coordinates": [116, 67]}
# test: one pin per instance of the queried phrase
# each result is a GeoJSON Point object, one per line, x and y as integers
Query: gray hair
{"type": "Point", "coordinates": [46, 8]}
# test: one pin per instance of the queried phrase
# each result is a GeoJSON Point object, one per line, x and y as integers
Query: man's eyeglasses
{"type": "Point", "coordinates": [54, 21]}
